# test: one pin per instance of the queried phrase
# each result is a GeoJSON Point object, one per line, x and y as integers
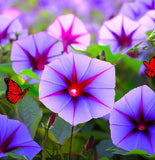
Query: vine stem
{"type": "Point", "coordinates": [70, 147]}
{"type": "Point", "coordinates": [44, 143]}
{"type": "Point", "coordinates": [116, 62]}
{"type": "Point", "coordinates": [16, 111]}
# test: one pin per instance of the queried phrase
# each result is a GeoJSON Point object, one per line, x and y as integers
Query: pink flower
{"type": "Point", "coordinates": [71, 31]}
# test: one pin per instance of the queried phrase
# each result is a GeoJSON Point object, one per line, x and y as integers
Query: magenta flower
{"type": "Point", "coordinates": [132, 120]}
{"type": "Point", "coordinates": [149, 17]}
{"type": "Point", "coordinates": [119, 35]}
{"type": "Point", "coordinates": [9, 28]}
{"type": "Point", "coordinates": [14, 136]}
{"type": "Point", "coordinates": [71, 31]}
{"type": "Point", "coordinates": [34, 52]}
{"type": "Point", "coordinates": [78, 88]}
{"type": "Point", "coordinates": [11, 12]}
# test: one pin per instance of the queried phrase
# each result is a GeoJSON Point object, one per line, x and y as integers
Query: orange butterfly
{"type": "Point", "coordinates": [150, 70]}
{"type": "Point", "coordinates": [14, 91]}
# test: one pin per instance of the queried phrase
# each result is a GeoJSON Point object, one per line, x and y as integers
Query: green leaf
{"type": "Point", "coordinates": [2, 83]}
{"type": "Point", "coordinates": [112, 58]}
{"type": "Point", "coordinates": [30, 73]}
{"type": "Point", "coordinates": [102, 149]}
{"type": "Point", "coordinates": [7, 68]}
{"type": "Point", "coordinates": [95, 50]}
{"type": "Point", "coordinates": [51, 137]}
{"type": "Point", "coordinates": [104, 158]}
{"type": "Point", "coordinates": [98, 135]}
{"type": "Point", "coordinates": [137, 151]}
{"type": "Point", "coordinates": [29, 113]}
{"type": "Point", "coordinates": [1, 92]}
{"type": "Point", "coordinates": [13, 154]}
{"type": "Point", "coordinates": [60, 129]}
{"type": "Point", "coordinates": [132, 63]}
{"type": "Point", "coordinates": [78, 145]}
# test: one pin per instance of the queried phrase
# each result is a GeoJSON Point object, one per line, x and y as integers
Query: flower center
{"type": "Point", "coordinates": [74, 92]}
{"type": "Point", "coordinates": [40, 66]}
{"type": "Point", "coordinates": [141, 127]}
{"type": "Point", "coordinates": [125, 42]}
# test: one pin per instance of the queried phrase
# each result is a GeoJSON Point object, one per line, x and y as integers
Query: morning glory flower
{"type": "Point", "coordinates": [11, 12]}
{"type": "Point", "coordinates": [14, 136]}
{"type": "Point", "coordinates": [119, 35]}
{"type": "Point", "coordinates": [78, 88]}
{"type": "Point", "coordinates": [149, 4]}
{"type": "Point", "coordinates": [132, 120]}
{"type": "Point", "coordinates": [71, 31]}
{"type": "Point", "coordinates": [133, 10]}
{"type": "Point", "coordinates": [34, 52]}
{"type": "Point", "coordinates": [149, 17]}
{"type": "Point", "coordinates": [9, 28]}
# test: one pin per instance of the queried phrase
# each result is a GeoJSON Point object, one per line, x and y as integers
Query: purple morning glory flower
{"type": "Point", "coordinates": [9, 28]}
{"type": "Point", "coordinates": [148, 20]}
{"type": "Point", "coordinates": [119, 35]}
{"type": "Point", "coordinates": [34, 52]}
{"type": "Point", "coordinates": [14, 136]}
{"type": "Point", "coordinates": [7, 3]}
{"type": "Point", "coordinates": [133, 10]}
{"type": "Point", "coordinates": [71, 31]}
{"type": "Point", "coordinates": [132, 120]}
{"type": "Point", "coordinates": [149, 4]}
{"type": "Point", "coordinates": [78, 88]}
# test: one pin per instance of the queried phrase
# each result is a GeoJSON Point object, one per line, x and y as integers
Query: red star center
{"type": "Point", "coordinates": [141, 127]}
{"type": "Point", "coordinates": [74, 92]}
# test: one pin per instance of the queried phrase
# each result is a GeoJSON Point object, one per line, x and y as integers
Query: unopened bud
{"type": "Point", "coordinates": [90, 143]}
{"type": "Point", "coordinates": [52, 118]}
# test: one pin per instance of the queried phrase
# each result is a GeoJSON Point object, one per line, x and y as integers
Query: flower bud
{"type": "Point", "coordinates": [90, 143]}
{"type": "Point", "coordinates": [52, 118]}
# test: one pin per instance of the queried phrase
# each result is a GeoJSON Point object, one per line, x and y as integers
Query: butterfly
{"type": "Point", "coordinates": [150, 70]}
{"type": "Point", "coordinates": [14, 91]}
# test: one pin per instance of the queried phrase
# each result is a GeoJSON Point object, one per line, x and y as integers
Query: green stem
{"type": "Point", "coordinates": [70, 147]}
{"type": "Point", "coordinates": [116, 62]}
{"type": "Point", "coordinates": [16, 111]}
{"type": "Point", "coordinates": [61, 155]}
{"type": "Point", "coordinates": [44, 144]}
{"type": "Point", "coordinates": [2, 110]}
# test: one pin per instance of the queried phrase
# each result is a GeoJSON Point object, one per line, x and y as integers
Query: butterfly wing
{"type": "Point", "coordinates": [147, 70]}
{"type": "Point", "coordinates": [24, 92]}
{"type": "Point", "coordinates": [150, 70]}
{"type": "Point", "coordinates": [14, 91]}
{"type": "Point", "coordinates": [148, 73]}
{"type": "Point", "coordinates": [152, 63]}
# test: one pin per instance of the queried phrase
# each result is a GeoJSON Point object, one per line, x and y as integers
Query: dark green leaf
{"type": "Point", "coordinates": [29, 113]}
{"type": "Point", "coordinates": [60, 129]}
{"type": "Point", "coordinates": [132, 63]}
{"type": "Point", "coordinates": [102, 149]}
